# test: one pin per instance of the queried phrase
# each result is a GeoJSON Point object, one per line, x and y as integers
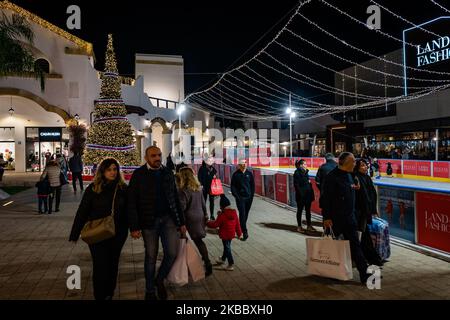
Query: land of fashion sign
{"type": "Point", "coordinates": [433, 51]}
{"type": "Point", "coordinates": [425, 47]}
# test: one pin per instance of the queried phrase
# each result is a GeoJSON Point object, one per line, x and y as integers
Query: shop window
{"type": "Point", "coordinates": [7, 148]}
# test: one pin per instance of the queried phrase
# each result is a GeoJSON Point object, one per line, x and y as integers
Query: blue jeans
{"type": "Point", "coordinates": [42, 204]}
{"type": "Point", "coordinates": [243, 206]}
{"type": "Point", "coordinates": [165, 229]}
{"type": "Point", "coordinates": [227, 252]}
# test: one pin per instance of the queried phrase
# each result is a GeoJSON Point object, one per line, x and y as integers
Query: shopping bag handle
{"type": "Point", "coordinates": [331, 232]}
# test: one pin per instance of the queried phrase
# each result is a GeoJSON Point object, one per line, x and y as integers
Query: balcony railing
{"type": "Point", "coordinates": [164, 103]}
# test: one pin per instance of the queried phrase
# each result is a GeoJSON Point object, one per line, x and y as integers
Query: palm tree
{"type": "Point", "coordinates": [15, 57]}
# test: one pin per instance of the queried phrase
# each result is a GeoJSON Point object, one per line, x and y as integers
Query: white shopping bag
{"type": "Point", "coordinates": [179, 275]}
{"type": "Point", "coordinates": [329, 258]}
{"type": "Point", "coordinates": [194, 261]}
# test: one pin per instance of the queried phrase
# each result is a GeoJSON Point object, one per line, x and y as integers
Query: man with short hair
{"type": "Point", "coordinates": [155, 213]}
{"type": "Point", "coordinates": [325, 169]}
{"type": "Point", "coordinates": [76, 167]}
{"type": "Point", "coordinates": [243, 190]}
{"type": "Point", "coordinates": [338, 208]}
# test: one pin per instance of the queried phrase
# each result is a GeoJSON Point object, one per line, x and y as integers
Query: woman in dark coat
{"type": "Point", "coordinates": [365, 208]}
{"type": "Point", "coordinates": [97, 203]}
{"type": "Point", "coordinates": [304, 195]}
{"type": "Point", "coordinates": [194, 210]}
{"type": "Point", "coordinates": [206, 174]}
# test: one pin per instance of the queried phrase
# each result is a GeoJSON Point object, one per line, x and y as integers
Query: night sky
{"type": "Point", "coordinates": [212, 35]}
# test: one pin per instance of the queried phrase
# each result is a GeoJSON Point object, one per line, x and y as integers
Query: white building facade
{"type": "Point", "coordinates": [33, 121]}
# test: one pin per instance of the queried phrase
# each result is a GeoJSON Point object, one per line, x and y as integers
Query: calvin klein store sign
{"type": "Point", "coordinates": [426, 54]}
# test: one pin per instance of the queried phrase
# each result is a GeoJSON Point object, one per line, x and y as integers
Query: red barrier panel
{"type": "Point", "coordinates": [284, 162]}
{"type": "Point", "coordinates": [441, 170]}
{"type": "Point", "coordinates": [281, 181]}
{"type": "Point", "coordinates": [396, 166]}
{"type": "Point", "coordinates": [315, 205]}
{"type": "Point", "coordinates": [433, 220]}
{"type": "Point", "coordinates": [409, 167]}
{"type": "Point", "coordinates": [258, 182]}
{"type": "Point", "coordinates": [424, 168]}
{"type": "Point", "coordinates": [317, 162]}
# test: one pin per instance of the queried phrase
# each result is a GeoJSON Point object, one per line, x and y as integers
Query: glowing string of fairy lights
{"type": "Point", "coordinates": [366, 52]}
{"type": "Point", "coordinates": [440, 6]}
{"type": "Point", "coordinates": [309, 107]}
{"type": "Point", "coordinates": [404, 19]}
{"type": "Point", "coordinates": [361, 65]}
{"type": "Point", "coordinates": [343, 74]}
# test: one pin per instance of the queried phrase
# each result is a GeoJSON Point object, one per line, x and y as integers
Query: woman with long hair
{"type": "Point", "coordinates": [366, 207]}
{"type": "Point", "coordinates": [193, 206]}
{"type": "Point", "coordinates": [107, 188]}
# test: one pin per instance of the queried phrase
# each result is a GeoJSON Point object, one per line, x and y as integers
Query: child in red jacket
{"type": "Point", "coordinates": [228, 223]}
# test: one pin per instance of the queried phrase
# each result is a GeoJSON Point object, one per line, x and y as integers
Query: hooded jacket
{"type": "Point", "coordinates": [228, 224]}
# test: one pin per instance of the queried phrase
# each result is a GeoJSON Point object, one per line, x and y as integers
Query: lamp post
{"type": "Point", "coordinates": [180, 110]}
{"type": "Point", "coordinates": [291, 116]}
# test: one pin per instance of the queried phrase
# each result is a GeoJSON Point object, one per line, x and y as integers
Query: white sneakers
{"type": "Point", "coordinates": [221, 263]}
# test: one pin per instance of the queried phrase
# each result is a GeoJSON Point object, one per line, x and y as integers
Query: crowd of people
{"type": "Point", "coordinates": [160, 205]}
{"type": "Point", "coordinates": [54, 177]}
{"type": "Point", "coordinates": [167, 204]}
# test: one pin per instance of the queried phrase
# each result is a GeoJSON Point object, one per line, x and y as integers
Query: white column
{"type": "Point", "coordinates": [19, 146]}
{"type": "Point", "coordinates": [167, 143]}
{"type": "Point", "coordinates": [146, 142]}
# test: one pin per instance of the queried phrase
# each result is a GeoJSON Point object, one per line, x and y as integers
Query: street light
{"type": "Point", "coordinates": [180, 110]}
{"type": "Point", "coordinates": [291, 116]}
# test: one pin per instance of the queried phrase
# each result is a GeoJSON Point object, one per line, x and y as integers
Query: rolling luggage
{"type": "Point", "coordinates": [379, 231]}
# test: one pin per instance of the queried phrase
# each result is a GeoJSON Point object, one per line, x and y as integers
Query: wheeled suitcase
{"type": "Point", "coordinates": [379, 231]}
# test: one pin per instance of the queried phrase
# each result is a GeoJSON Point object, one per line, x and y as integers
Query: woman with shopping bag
{"type": "Point", "coordinates": [193, 207]}
{"type": "Point", "coordinates": [206, 176]}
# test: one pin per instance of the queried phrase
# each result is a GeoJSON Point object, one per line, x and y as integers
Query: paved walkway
{"type": "Point", "coordinates": [35, 253]}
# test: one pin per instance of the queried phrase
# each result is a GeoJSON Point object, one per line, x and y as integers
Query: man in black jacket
{"type": "Point", "coordinates": [206, 174]}
{"type": "Point", "coordinates": [243, 190]}
{"type": "Point", "coordinates": [154, 212]}
{"type": "Point", "coordinates": [76, 167]}
{"type": "Point", "coordinates": [338, 208]}
{"type": "Point", "coordinates": [325, 169]}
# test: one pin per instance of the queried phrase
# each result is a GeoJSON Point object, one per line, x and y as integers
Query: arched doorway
{"type": "Point", "coordinates": [31, 130]}
{"type": "Point", "coordinates": [161, 136]}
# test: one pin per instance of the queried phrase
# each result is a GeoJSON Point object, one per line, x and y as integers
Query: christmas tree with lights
{"type": "Point", "coordinates": [111, 134]}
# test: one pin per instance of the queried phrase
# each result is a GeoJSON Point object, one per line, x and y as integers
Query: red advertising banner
{"type": "Point", "coordinates": [258, 181]}
{"type": "Point", "coordinates": [433, 220]}
{"type": "Point", "coordinates": [441, 169]}
{"type": "Point", "coordinates": [284, 162]}
{"type": "Point", "coordinates": [424, 168]}
{"type": "Point", "coordinates": [317, 162]}
{"type": "Point", "coordinates": [315, 205]}
{"type": "Point", "coordinates": [227, 174]}
{"type": "Point", "coordinates": [396, 166]}
{"type": "Point", "coordinates": [281, 181]}
{"type": "Point", "coordinates": [308, 162]}
{"type": "Point", "coordinates": [409, 167]}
